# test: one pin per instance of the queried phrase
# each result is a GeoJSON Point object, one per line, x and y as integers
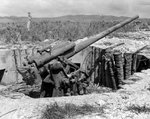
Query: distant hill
{"type": "Point", "coordinates": [73, 18]}
{"type": "Point", "coordinates": [87, 18]}
{"type": "Point", "coordinates": [12, 19]}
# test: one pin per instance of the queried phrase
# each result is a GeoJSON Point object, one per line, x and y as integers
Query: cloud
{"type": "Point", "coordinates": [143, 3]}
{"type": "Point", "coordinates": [52, 8]}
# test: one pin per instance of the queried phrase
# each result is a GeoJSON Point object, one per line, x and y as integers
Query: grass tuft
{"type": "Point", "coordinates": [70, 110]}
{"type": "Point", "coordinates": [138, 109]}
{"type": "Point", "coordinates": [94, 88]}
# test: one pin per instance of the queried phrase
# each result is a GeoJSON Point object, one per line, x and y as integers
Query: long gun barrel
{"type": "Point", "coordinates": [95, 38]}
{"type": "Point", "coordinates": [72, 49]}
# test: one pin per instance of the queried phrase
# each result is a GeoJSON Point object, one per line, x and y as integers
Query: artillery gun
{"type": "Point", "coordinates": [35, 69]}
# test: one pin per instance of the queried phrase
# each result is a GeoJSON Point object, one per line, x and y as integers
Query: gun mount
{"type": "Point", "coordinates": [36, 65]}
{"type": "Point", "coordinates": [72, 48]}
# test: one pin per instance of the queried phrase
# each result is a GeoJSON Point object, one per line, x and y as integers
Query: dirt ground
{"type": "Point", "coordinates": [130, 102]}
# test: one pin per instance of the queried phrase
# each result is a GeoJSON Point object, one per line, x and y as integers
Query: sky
{"type": "Point", "coordinates": [54, 8]}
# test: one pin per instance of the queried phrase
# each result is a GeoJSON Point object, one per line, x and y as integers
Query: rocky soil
{"type": "Point", "coordinates": [130, 102]}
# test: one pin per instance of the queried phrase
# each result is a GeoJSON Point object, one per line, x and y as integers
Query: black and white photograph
{"type": "Point", "coordinates": [74, 59]}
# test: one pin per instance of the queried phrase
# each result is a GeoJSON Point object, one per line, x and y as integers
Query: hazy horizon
{"type": "Point", "coordinates": [67, 15]}
{"type": "Point", "coordinates": [57, 8]}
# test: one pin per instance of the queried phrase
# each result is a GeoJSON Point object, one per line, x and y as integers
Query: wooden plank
{"type": "Point", "coordinates": [127, 65]}
{"type": "Point", "coordinates": [103, 67]}
{"type": "Point", "coordinates": [111, 74]}
{"type": "Point", "coordinates": [134, 63]}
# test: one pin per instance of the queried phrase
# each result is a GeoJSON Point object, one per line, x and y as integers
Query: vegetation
{"type": "Point", "coordinates": [70, 110]}
{"type": "Point", "coordinates": [62, 28]}
{"type": "Point", "coordinates": [138, 109]}
{"type": "Point", "coordinates": [94, 88]}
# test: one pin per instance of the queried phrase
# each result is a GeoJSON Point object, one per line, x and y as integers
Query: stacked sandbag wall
{"type": "Point", "coordinates": [112, 71]}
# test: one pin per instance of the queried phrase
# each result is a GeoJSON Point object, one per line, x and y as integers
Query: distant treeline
{"type": "Point", "coordinates": [60, 30]}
